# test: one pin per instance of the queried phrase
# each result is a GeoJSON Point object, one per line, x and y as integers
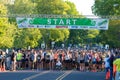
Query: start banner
{"type": "Point", "coordinates": [63, 23]}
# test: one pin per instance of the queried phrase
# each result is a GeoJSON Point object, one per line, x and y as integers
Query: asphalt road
{"type": "Point", "coordinates": [52, 75]}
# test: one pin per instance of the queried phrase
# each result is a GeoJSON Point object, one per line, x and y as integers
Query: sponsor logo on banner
{"type": "Point", "coordinates": [40, 26]}
{"type": "Point", "coordinates": [92, 27]}
{"type": "Point", "coordinates": [74, 27]}
{"type": "Point", "coordinates": [84, 27]}
{"type": "Point", "coordinates": [50, 26]}
{"type": "Point", "coordinates": [61, 26]}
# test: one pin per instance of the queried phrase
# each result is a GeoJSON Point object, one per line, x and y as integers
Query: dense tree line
{"type": "Point", "coordinates": [111, 9]}
{"type": "Point", "coordinates": [11, 36]}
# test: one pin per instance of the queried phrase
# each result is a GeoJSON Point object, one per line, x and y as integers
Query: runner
{"type": "Point", "coordinates": [51, 60]}
{"type": "Point", "coordinates": [67, 60]}
{"type": "Point", "coordinates": [33, 59]}
{"type": "Point", "coordinates": [94, 61]}
{"type": "Point", "coordinates": [19, 59]}
{"type": "Point", "coordinates": [82, 59]}
{"type": "Point", "coordinates": [47, 59]}
{"type": "Point", "coordinates": [86, 62]}
{"type": "Point", "coordinates": [39, 60]}
{"type": "Point", "coordinates": [13, 59]}
{"type": "Point", "coordinates": [78, 61]}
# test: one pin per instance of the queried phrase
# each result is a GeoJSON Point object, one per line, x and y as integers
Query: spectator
{"type": "Point", "coordinates": [107, 66]}
{"type": "Point", "coordinates": [111, 66]}
{"type": "Point", "coordinates": [8, 61]}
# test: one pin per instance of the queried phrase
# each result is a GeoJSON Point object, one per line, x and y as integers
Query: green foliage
{"type": "Point", "coordinates": [59, 35]}
{"type": "Point", "coordinates": [77, 36]}
{"type": "Point", "coordinates": [109, 8]}
{"type": "Point", "coordinates": [112, 36]}
{"type": "Point", "coordinates": [27, 37]}
{"type": "Point", "coordinates": [24, 37]}
{"type": "Point", "coordinates": [55, 34]}
{"type": "Point", "coordinates": [106, 7]}
{"type": "Point", "coordinates": [52, 7]}
{"type": "Point", "coordinates": [72, 10]}
{"type": "Point", "coordinates": [22, 7]}
{"type": "Point", "coordinates": [92, 33]}
{"type": "Point", "coordinates": [6, 29]}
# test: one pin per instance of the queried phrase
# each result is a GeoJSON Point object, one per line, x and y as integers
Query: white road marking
{"type": "Point", "coordinates": [36, 75]}
{"type": "Point", "coordinates": [64, 75]}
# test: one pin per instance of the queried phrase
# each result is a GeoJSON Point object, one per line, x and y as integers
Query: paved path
{"type": "Point", "coordinates": [52, 75]}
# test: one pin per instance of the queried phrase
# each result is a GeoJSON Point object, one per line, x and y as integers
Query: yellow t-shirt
{"type": "Point", "coordinates": [19, 56]}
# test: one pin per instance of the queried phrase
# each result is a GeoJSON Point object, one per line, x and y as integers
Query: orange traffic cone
{"type": "Point", "coordinates": [114, 70]}
{"type": "Point", "coordinates": [94, 70]}
{"type": "Point", "coordinates": [108, 75]}
{"type": "Point", "coordinates": [2, 69]}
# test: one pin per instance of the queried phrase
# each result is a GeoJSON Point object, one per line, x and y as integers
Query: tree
{"type": "Point", "coordinates": [6, 29]}
{"type": "Point", "coordinates": [27, 37]}
{"type": "Point", "coordinates": [55, 35]}
{"type": "Point", "coordinates": [22, 7]}
{"type": "Point", "coordinates": [61, 34]}
{"type": "Point", "coordinates": [24, 37]}
{"type": "Point", "coordinates": [109, 8]}
{"type": "Point", "coordinates": [106, 7]}
{"type": "Point", "coordinates": [83, 36]}
{"type": "Point", "coordinates": [75, 35]}
{"type": "Point", "coordinates": [53, 7]}
{"type": "Point", "coordinates": [92, 33]}
{"type": "Point", "coordinates": [72, 10]}
{"type": "Point", "coordinates": [112, 36]}
{"type": "Point", "coordinates": [79, 36]}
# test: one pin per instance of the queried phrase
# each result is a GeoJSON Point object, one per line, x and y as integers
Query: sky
{"type": "Point", "coordinates": [84, 6]}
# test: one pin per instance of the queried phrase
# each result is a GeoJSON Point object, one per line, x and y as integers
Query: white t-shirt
{"type": "Point", "coordinates": [58, 63]}
{"type": "Point", "coordinates": [35, 57]}
{"type": "Point", "coordinates": [42, 56]}
{"type": "Point", "coordinates": [67, 57]}
{"type": "Point", "coordinates": [78, 58]}
{"type": "Point", "coordinates": [51, 56]}
{"type": "Point", "coordinates": [1, 56]}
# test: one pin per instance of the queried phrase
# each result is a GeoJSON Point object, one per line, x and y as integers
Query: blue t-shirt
{"type": "Point", "coordinates": [86, 58]}
{"type": "Point", "coordinates": [107, 62]}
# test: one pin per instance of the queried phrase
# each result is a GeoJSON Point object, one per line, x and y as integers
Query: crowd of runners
{"type": "Point", "coordinates": [53, 59]}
